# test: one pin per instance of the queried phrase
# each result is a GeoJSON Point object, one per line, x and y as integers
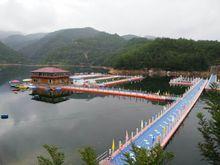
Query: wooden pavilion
{"type": "Point", "coordinates": [50, 76]}
{"type": "Point", "coordinates": [47, 82]}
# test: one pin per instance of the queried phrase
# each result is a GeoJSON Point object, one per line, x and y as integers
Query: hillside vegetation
{"type": "Point", "coordinates": [168, 54]}
{"type": "Point", "coordinates": [89, 46]}
{"type": "Point", "coordinates": [91, 51]}
{"type": "Point", "coordinates": [20, 41]}
{"type": "Point", "coordinates": [47, 45]}
{"type": "Point", "coordinates": [7, 55]}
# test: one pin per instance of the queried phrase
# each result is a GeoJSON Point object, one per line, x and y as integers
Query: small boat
{"type": "Point", "coordinates": [32, 87]}
{"type": "Point", "coordinates": [22, 87]}
{"type": "Point", "coordinates": [28, 80]}
{"type": "Point", "coordinates": [15, 90]}
{"type": "Point", "coordinates": [14, 83]}
{"type": "Point", "coordinates": [4, 116]}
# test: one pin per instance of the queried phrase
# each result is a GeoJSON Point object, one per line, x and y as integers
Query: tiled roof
{"type": "Point", "coordinates": [50, 70]}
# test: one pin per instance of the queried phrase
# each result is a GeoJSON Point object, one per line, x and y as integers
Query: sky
{"type": "Point", "coordinates": [192, 19]}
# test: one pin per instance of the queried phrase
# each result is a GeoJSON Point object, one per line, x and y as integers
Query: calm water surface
{"type": "Point", "coordinates": [81, 121]}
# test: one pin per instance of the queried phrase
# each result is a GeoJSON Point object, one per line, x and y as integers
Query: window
{"type": "Point", "coordinates": [50, 81]}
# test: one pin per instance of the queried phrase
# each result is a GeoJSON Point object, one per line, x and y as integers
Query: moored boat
{"type": "Point", "coordinates": [14, 83]}
{"type": "Point", "coordinates": [4, 116]}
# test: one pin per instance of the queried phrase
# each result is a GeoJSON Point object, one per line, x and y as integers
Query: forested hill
{"type": "Point", "coordinates": [168, 54]}
{"type": "Point", "coordinates": [73, 46]}
{"type": "Point", "coordinates": [89, 46]}
{"type": "Point", "coordinates": [89, 51]}
{"type": "Point", "coordinates": [67, 46]}
{"type": "Point", "coordinates": [7, 55]}
{"type": "Point", "coordinates": [20, 41]}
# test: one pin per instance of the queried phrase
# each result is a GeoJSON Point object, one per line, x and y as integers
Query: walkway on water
{"type": "Point", "coordinates": [182, 81]}
{"type": "Point", "coordinates": [186, 81]}
{"type": "Point", "coordinates": [107, 77]}
{"type": "Point", "coordinates": [213, 79]}
{"type": "Point", "coordinates": [161, 128]}
{"type": "Point", "coordinates": [122, 81]}
{"type": "Point", "coordinates": [86, 76]}
{"type": "Point", "coordinates": [107, 91]}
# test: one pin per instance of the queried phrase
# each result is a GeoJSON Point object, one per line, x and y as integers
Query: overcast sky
{"type": "Point", "coordinates": [196, 19]}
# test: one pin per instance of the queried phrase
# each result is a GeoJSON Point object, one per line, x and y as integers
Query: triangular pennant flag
{"type": "Point", "coordinates": [113, 145]}
{"type": "Point", "coordinates": [119, 144]}
{"type": "Point", "coordinates": [142, 124]}
{"type": "Point", "coordinates": [126, 136]}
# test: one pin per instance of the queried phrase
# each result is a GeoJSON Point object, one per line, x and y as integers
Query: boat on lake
{"type": "Point", "coordinates": [4, 116]}
{"type": "Point", "coordinates": [14, 83]}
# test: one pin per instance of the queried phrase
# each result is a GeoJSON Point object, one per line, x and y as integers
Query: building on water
{"type": "Point", "coordinates": [50, 76]}
{"type": "Point", "coordinates": [47, 84]}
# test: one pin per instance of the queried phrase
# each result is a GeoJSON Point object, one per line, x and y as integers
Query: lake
{"type": "Point", "coordinates": [84, 120]}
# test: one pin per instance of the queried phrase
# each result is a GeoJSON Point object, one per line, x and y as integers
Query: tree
{"type": "Point", "coordinates": [57, 158]}
{"type": "Point", "coordinates": [210, 128]}
{"type": "Point", "coordinates": [168, 54]}
{"type": "Point", "coordinates": [88, 155]}
{"type": "Point", "coordinates": [142, 156]}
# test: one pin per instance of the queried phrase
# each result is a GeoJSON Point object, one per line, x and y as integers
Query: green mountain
{"type": "Point", "coordinates": [5, 34]}
{"type": "Point", "coordinates": [19, 41]}
{"type": "Point", "coordinates": [74, 46]}
{"type": "Point", "coordinates": [8, 55]}
{"type": "Point", "coordinates": [55, 40]}
{"type": "Point", "coordinates": [92, 47]}
{"type": "Point", "coordinates": [129, 36]}
{"type": "Point", "coordinates": [91, 51]}
{"type": "Point", "coordinates": [168, 54]}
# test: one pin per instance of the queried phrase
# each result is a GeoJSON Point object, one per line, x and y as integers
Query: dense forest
{"type": "Point", "coordinates": [89, 46]}
{"type": "Point", "coordinates": [90, 51]}
{"type": "Point", "coordinates": [19, 41]}
{"type": "Point", "coordinates": [168, 54]}
{"type": "Point", "coordinates": [8, 55]}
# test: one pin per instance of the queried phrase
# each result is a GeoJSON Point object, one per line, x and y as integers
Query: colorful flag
{"type": "Point", "coordinates": [137, 130]}
{"type": "Point", "coordinates": [142, 124]}
{"type": "Point", "coordinates": [132, 134]}
{"type": "Point", "coordinates": [145, 123]}
{"type": "Point", "coordinates": [164, 130]}
{"type": "Point", "coordinates": [113, 145]}
{"type": "Point", "coordinates": [119, 144]}
{"type": "Point", "coordinates": [126, 136]}
{"type": "Point", "coordinates": [153, 138]}
{"type": "Point", "coordinates": [158, 138]}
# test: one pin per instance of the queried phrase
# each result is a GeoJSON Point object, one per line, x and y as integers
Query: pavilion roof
{"type": "Point", "coordinates": [50, 70]}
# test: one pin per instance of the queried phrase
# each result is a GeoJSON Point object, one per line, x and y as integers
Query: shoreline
{"type": "Point", "coordinates": [144, 72]}
{"type": "Point", "coordinates": [151, 72]}
{"type": "Point", "coordinates": [59, 65]}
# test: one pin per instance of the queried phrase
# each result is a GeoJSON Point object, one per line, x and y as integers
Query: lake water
{"type": "Point", "coordinates": [83, 120]}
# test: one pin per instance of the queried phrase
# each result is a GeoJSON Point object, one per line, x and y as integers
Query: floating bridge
{"type": "Point", "coordinates": [212, 79]}
{"type": "Point", "coordinates": [122, 81]}
{"type": "Point", "coordinates": [160, 128]}
{"type": "Point", "coordinates": [186, 81]}
{"type": "Point", "coordinates": [182, 81]}
{"type": "Point", "coordinates": [107, 91]}
{"type": "Point", "coordinates": [106, 78]}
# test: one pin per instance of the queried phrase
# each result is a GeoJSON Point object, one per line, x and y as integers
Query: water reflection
{"type": "Point", "coordinates": [155, 84]}
{"type": "Point", "coordinates": [8, 73]}
{"type": "Point", "coordinates": [71, 124]}
{"type": "Point", "coordinates": [82, 120]}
